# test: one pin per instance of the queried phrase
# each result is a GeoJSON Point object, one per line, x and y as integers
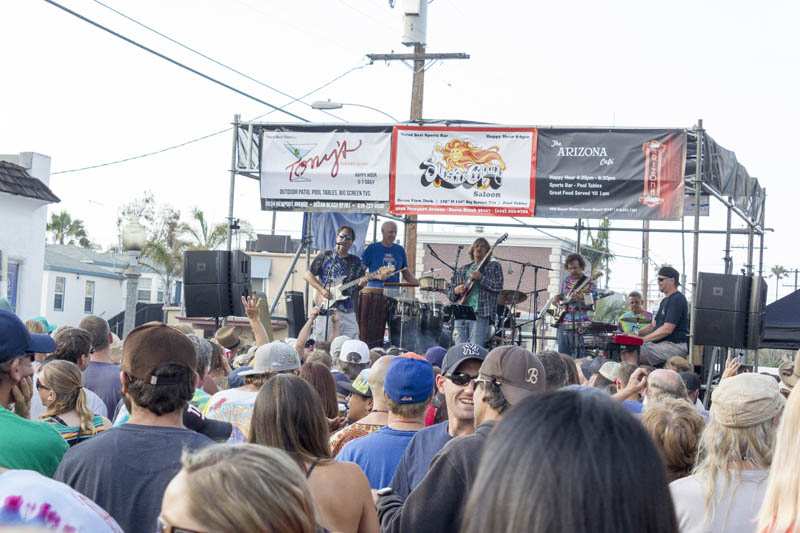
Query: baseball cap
{"type": "Point", "coordinates": [746, 400]}
{"type": "Point", "coordinates": [153, 345]}
{"type": "Point", "coordinates": [461, 352]}
{"type": "Point", "coordinates": [360, 385]}
{"type": "Point", "coordinates": [435, 355]}
{"type": "Point", "coordinates": [275, 356]}
{"type": "Point", "coordinates": [518, 371]}
{"type": "Point", "coordinates": [336, 345]}
{"type": "Point", "coordinates": [669, 272]}
{"type": "Point", "coordinates": [354, 351]}
{"type": "Point", "coordinates": [408, 380]}
{"type": "Point", "coordinates": [590, 367]}
{"type": "Point", "coordinates": [611, 370]}
{"type": "Point", "coordinates": [16, 340]}
{"type": "Point", "coordinates": [48, 327]}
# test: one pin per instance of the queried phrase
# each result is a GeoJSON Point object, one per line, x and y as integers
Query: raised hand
{"type": "Point", "coordinates": [251, 304]}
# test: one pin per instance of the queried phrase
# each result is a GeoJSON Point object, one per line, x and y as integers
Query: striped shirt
{"type": "Point", "coordinates": [72, 434]}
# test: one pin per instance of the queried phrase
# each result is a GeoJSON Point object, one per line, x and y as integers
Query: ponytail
{"type": "Point", "coordinates": [86, 415]}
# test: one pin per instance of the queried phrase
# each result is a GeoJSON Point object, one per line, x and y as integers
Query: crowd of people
{"type": "Point", "coordinates": [169, 431]}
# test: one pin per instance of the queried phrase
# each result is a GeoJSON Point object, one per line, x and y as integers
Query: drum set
{"type": "Point", "coordinates": [429, 320]}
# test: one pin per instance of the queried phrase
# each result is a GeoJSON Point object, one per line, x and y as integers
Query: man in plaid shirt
{"type": "Point", "coordinates": [483, 295]}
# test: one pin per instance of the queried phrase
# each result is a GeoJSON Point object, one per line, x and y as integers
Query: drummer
{"type": "Point", "coordinates": [375, 309]}
{"type": "Point", "coordinates": [636, 317]}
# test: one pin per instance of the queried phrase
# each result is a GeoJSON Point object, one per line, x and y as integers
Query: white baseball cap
{"type": "Point", "coordinates": [354, 351]}
{"type": "Point", "coordinates": [336, 344]}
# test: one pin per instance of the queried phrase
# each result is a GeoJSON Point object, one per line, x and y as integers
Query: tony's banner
{"type": "Point", "coordinates": [326, 168]}
{"type": "Point", "coordinates": [463, 171]}
{"type": "Point", "coordinates": [621, 174]}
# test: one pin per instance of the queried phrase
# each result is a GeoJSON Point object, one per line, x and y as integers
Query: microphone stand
{"type": "Point", "coordinates": [452, 313]}
{"type": "Point", "coordinates": [534, 300]}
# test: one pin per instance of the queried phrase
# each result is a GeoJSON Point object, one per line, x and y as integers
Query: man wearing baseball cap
{"type": "Point", "coordinates": [353, 357]}
{"type": "Point", "coordinates": [236, 405]}
{"type": "Point", "coordinates": [459, 368]}
{"type": "Point", "coordinates": [408, 387]}
{"type": "Point", "coordinates": [668, 334]}
{"type": "Point", "coordinates": [24, 444]}
{"type": "Point", "coordinates": [126, 469]}
{"type": "Point", "coordinates": [508, 375]}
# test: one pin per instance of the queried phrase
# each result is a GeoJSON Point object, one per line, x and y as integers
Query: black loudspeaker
{"type": "Point", "coordinates": [295, 312]}
{"type": "Point", "coordinates": [206, 266]}
{"type": "Point", "coordinates": [729, 310]}
{"type": "Point", "coordinates": [214, 282]}
{"type": "Point", "coordinates": [240, 267]}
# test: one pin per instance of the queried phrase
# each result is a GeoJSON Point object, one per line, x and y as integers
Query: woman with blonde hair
{"type": "Point", "coordinates": [727, 486]}
{"type": "Point", "coordinates": [66, 409]}
{"type": "Point", "coordinates": [236, 488]}
{"type": "Point", "coordinates": [289, 415]}
{"type": "Point", "coordinates": [780, 512]}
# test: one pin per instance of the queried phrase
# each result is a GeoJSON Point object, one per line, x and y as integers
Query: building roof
{"type": "Point", "coordinates": [14, 179]}
{"type": "Point", "coordinates": [85, 261]}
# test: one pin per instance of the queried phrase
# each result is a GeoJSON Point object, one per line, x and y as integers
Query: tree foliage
{"type": "Point", "coordinates": [597, 251]}
{"type": "Point", "coordinates": [65, 230]}
{"type": "Point", "coordinates": [778, 272]}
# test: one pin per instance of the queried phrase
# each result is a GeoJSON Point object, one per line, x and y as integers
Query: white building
{"type": "Point", "coordinates": [24, 195]}
{"type": "Point", "coordinates": [79, 281]}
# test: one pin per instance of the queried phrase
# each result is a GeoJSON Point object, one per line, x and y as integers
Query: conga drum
{"type": "Point", "coordinates": [372, 316]}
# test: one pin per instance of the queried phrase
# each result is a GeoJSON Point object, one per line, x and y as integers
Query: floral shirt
{"type": "Point", "coordinates": [331, 269]}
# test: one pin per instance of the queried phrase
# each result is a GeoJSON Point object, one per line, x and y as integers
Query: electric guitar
{"type": "Point", "coordinates": [559, 309]}
{"type": "Point", "coordinates": [338, 288]}
{"type": "Point", "coordinates": [471, 283]}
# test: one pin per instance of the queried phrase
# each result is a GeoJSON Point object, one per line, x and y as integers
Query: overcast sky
{"type": "Point", "coordinates": [83, 97]}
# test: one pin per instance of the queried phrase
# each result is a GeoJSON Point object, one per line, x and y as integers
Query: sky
{"type": "Point", "coordinates": [84, 97]}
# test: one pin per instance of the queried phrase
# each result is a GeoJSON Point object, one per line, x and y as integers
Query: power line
{"type": "Point", "coordinates": [207, 136]}
{"type": "Point", "coordinates": [205, 56]}
{"type": "Point", "coordinates": [174, 62]}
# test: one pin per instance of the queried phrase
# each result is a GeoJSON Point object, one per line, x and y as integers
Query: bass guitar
{"type": "Point", "coordinates": [471, 283]}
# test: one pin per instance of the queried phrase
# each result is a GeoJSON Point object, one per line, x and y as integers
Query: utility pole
{"type": "Point", "coordinates": [415, 20]}
{"type": "Point", "coordinates": [645, 259]}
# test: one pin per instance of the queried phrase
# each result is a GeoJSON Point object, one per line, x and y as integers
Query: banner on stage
{"type": "Point", "coordinates": [620, 174]}
{"type": "Point", "coordinates": [322, 168]}
{"type": "Point", "coordinates": [463, 171]}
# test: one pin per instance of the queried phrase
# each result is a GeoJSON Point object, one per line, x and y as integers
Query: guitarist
{"type": "Point", "coordinates": [482, 298]}
{"type": "Point", "coordinates": [330, 268]}
{"type": "Point", "coordinates": [576, 308]}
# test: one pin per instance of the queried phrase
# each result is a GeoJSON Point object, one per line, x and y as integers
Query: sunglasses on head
{"type": "Point", "coordinates": [461, 378]}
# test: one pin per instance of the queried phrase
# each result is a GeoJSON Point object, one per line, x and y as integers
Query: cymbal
{"type": "Point", "coordinates": [635, 320]}
{"type": "Point", "coordinates": [510, 297]}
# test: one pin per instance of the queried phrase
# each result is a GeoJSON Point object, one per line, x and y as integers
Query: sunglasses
{"type": "Point", "coordinates": [166, 527]}
{"type": "Point", "coordinates": [345, 237]}
{"type": "Point", "coordinates": [461, 379]}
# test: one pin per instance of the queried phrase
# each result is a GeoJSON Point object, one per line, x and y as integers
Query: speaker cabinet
{"type": "Point", "coordinates": [730, 310]}
{"type": "Point", "coordinates": [206, 266]}
{"type": "Point", "coordinates": [295, 312]}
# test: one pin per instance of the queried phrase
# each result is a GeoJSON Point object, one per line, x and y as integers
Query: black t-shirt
{"type": "Point", "coordinates": [675, 310]}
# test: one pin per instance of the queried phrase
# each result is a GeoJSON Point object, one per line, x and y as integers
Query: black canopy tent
{"type": "Point", "coordinates": [782, 323]}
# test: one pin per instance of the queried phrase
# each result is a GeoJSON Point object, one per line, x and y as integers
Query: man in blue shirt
{"type": "Point", "coordinates": [408, 388]}
{"type": "Point", "coordinates": [375, 309]}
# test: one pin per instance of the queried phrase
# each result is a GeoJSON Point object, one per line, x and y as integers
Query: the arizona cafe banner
{"type": "Point", "coordinates": [620, 174]}
{"type": "Point", "coordinates": [319, 168]}
{"type": "Point", "coordinates": [463, 171]}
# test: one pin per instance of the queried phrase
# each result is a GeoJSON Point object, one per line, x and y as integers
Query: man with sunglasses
{"type": "Point", "coordinates": [668, 334]}
{"type": "Point", "coordinates": [330, 268]}
{"type": "Point", "coordinates": [508, 375]}
{"type": "Point", "coordinates": [459, 369]}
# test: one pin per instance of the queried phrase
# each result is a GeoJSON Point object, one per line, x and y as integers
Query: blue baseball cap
{"type": "Point", "coordinates": [16, 341]}
{"type": "Point", "coordinates": [408, 380]}
{"type": "Point", "coordinates": [434, 355]}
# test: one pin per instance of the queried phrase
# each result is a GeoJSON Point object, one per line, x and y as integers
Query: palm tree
{"type": "Point", "coordinates": [206, 236]}
{"type": "Point", "coordinates": [779, 272]}
{"type": "Point", "coordinates": [203, 235]}
{"type": "Point", "coordinates": [598, 252]}
{"type": "Point", "coordinates": [67, 231]}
